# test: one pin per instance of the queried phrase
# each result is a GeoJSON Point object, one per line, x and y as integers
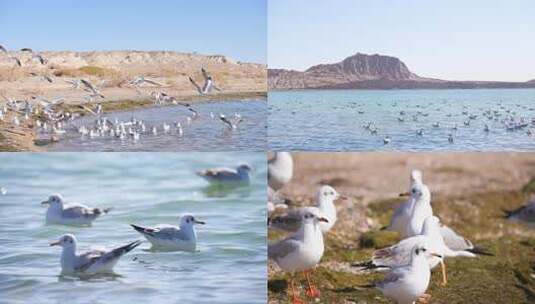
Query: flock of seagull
{"type": "Point", "coordinates": [425, 241]}
{"type": "Point", "coordinates": [53, 122]}
{"type": "Point", "coordinates": [161, 237]}
{"type": "Point", "coordinates": [511, 118]}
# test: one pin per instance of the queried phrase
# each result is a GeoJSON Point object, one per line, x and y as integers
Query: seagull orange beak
{"type": "Point", "coordinates": [56, 243]}
{"type": "Point", "coordinates": [437, 255]}
{"type": "Point", "coordinates": [322, 219]}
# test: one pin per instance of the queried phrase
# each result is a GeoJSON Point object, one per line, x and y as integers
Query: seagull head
{"type": "Point", "coordinates": [422, 251]}
{"type": "Point", "coordinates": [327, 193]}
{"type": "Point", "coordinates": [416, 176]}
{"type": "Point", "coordinates": [65, 241]}
{"type": "Point", "coordinates": [189, 220]}
{"type": "Point", "coordinates": [246, 168]}
{"type": "Point", "coordinates": [54, 200]}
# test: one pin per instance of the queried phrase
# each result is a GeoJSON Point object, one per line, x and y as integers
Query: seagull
{"type": "Point", "coordinates": [400, 218]}
{"type": "Point", "coordinates": [450, 138]}
{"type": "Point", "coordinates": [301, 251]}
{"type": "Point", "coordinates": [208, 83]}
{"type": "Point", "coordinates": [90, 262]}
{"type": "Point", "coordinates": [139, 80]}
{"type": "Point", "coordinates": [399, 254]}
{"type": "Point", "coordinates": [280, 170]}
{"type": "Point", "coordinates": [182, 238]}
{"type": "Point", "coordinates": [239, 175]}
{"type": "Point", "coordinates": [3, 190]}
{"type": "Point", "coordinates": [407, 284]}
{"type": "Point", "coordinates": [70, 214]}
{"type": "Point", "coordinates": [420, 208]}
{"type": "Point", "coordinates": [232, 125]}
{"type": "Point", "coordinates": [386, 140]}
{"type": "Point", "coordinates": [35, 55]}
{"type": "Point", "coordinates": [324, 203]}
{"type": "Point", "coordinates": [3, 49]}
{"type": "Point", "coordinates": [91, 88]}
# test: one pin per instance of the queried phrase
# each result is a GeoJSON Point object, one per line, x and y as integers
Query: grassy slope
{"type": "Point", "coordinates": [505, 278]}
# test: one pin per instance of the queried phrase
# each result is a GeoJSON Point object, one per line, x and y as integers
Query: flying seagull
{"type": "Point", "coordinates": [208, 83]}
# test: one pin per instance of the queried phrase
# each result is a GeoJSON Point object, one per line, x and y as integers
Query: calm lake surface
{"type": "Point", "coordinates": [203, 134]}
{"type": "Point", "coordinates": [334, 120]}
{"type": "Point", "coordinates": [143, 188]}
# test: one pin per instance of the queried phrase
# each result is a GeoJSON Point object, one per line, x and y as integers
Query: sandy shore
{"type": "Point", "coordinates": [111, 72]}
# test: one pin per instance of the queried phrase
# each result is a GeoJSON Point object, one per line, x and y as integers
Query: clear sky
{"type": "Point", "coordinates": [448, 39]}
{"type": "Point", "coordinates": [235, 28]}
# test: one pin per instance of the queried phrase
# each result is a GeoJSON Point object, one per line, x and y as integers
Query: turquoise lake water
{"type": "Point", "coordinates": [333, 120]}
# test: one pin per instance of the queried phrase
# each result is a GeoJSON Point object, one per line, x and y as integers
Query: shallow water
{"type": "Point", "coordinates": [143, 188]}
{"type": "Point", "coordinates": [203, 134]}
{"type": "Point", "coordinates": [329, 120]}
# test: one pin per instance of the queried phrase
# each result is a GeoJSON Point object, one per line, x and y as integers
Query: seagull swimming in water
{"type": "Point", "coordinates": [59, 212]}
{"type": "Point", "coordinates": [91, 262]}
{"type": "Point", "coordinates": [226, 175]}
{"type": "Point", "coordinates": [182, 238]}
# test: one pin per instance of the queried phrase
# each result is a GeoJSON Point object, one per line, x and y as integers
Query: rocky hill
{"type": "Point", "coordinates": [362, 71]}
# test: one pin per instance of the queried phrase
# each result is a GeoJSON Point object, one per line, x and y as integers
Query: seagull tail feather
{"type": "Point", "coordinates": [140, 229]}
{"type": "Point", "coordinates": [480, 251]}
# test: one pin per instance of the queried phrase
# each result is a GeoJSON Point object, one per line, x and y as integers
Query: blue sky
{"type": "Point", "coordinates": [448, 39]}
{"type": "Point", "coordinates": [234, 28]}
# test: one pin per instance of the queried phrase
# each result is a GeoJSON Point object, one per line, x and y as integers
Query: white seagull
{"type": "Point", "coordinates": [324, 204]}
{"type": "Point", "coordinates": [280, 170]}
{"type": "Point", "coordinates": [399, 254]}
{"type": "Point", "coordinates": [408, 283]}
{"type": "Point", "coordinates": [208, 83]}
{"type": "Point", "coordinates": [302, 251]}
{"type": "Point", "coordinates": [231, 124]}
{"type": "Point", "coordinates": [59, 212]}
{"type": "Point", "coordinates": [239, 175]}
{"type": "Point", "coordinates": [90, 262]}
{"type": "Point", "coordinates": [400, 218]}
{"type": "Point", "coordinates": [164, 236]}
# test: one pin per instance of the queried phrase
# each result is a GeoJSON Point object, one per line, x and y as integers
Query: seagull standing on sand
{"type": "Point", "coordinates": [302, 251]}
{"type": "Point", "coordinates": [208, 83]}
{"type": "Point", "coordinates": [240, 175]}
{"type": "Point", "coordinates": [324, 204]}
{"type": "Point", "coordinates": [90, 262]}
{"type": "Point", "coordinates": [408, 283]}
{"type": "Point", "coordinates": [280, 170]}
{"type": "Point", "coordinates": [182, 238]}
{"type": "Point", "coordinates": [59, 212]}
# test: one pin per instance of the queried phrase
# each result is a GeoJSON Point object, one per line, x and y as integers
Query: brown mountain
{"type": "Point", "coordinates": [362, 71]}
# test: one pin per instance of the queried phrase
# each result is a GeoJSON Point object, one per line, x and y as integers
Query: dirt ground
{"type": "Point", "coordinates": [469, 191]}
